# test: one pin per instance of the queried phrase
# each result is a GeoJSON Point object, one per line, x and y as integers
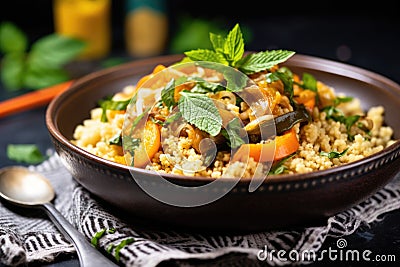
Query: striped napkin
{"type": "Point", "coordinates": [28, 236]}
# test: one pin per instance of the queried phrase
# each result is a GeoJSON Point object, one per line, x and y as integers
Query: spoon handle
{"type": "Point", "coordinates": [88, 255]}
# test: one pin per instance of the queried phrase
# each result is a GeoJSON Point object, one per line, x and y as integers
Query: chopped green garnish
{"type": "Point", "coordinates": [25, 153]}
{"type": "Point", "coordinates": [116, 139]}
{"type": "Point", "coordinates": [279, 167]}
{"type": "Point", "coordinates": [95, 239]}
{"type": "Point", "coordinates": [333, 154]}
{"type": "Point", "coordinates": [120, 246]}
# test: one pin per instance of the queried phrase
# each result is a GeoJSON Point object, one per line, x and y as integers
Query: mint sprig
{"type": "Point", "coordinates": [229, 51]}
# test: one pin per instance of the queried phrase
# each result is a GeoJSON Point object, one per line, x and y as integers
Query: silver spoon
{"type": "Point", "coordinates": [23, 187]}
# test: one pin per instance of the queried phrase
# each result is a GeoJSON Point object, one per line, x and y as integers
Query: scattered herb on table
{"type": "Point", "coordinates": [40, 66]}
{"type": "Point", "coordinates": [25, 153]}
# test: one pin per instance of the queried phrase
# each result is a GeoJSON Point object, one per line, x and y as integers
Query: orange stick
{"type": "Point", "coordinates": [32, 99]}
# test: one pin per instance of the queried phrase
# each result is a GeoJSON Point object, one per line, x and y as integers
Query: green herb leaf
{"type": "Point", "coordinates": [167, 94]}
{"type": "Point", "coordinates": [12, 72]}
{"type": "Point", "coordinates": [37, 78]}
{"type": "Point", "coordinates": [26, 153]}
{"type": "Point", "coordinates": [279, 167]}
{"type": "Point", "coordinates": [130, 144]}
{"type": "Point", "coordinates": [217, 42]}
{"type": "Point", "coordinates": [199, 110]}
{"type": "Point", "coordinates": [206, 55]}
{"type": "Point", "coordinates": [121, 245]}
{"type": "Point", "coordinates": [12, 39]}
{"type": "Point", "coordinates": [338, 100]}
{"type": "Point", "coordinates": [95, 239]}
{"type": "Point", "coordinates": [235, 80]}
{"type": "Point", "coordinates": [333, 154]}
{"type": "Point", "coordinates": [287, 81]}
{"type": "Point", "coordinates": [107, 104]}
{"type": "Point", "coordinates": [261, 61]}
{"type": "Point", "coordinates": [232, 133]}
{"type": "Point", "coordinates": [234, 46]}
{"type": "Point", "coordinates": [309, 82]}
{"type": "Point", "coordinates": [116, 139]}
{"type": "Point", "coordinates": [53, 51]}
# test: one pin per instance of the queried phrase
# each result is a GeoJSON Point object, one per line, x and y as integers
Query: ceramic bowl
{"type": "Point", "coordinates": [280, 202]}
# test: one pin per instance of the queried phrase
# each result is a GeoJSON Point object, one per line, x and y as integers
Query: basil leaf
{"type": "Point", "coordinates": [260, 61]}
{"type": "Point", "coordinates": [333, 154]}
{"type": "Point", "coordinates": [167, 94]}
{"type": "Point", "coordinates": [200, 111]}
{"type": "Point", "coordinates": [234, 45]}
{"type": "Point", "coordinates": [12, 72]}
{"type": "Point", "coordinates": [12, 39]}
{"type": "Point", "coordinates": [53, 51]}
{"type": "Point", "coordinates": [26, 153]}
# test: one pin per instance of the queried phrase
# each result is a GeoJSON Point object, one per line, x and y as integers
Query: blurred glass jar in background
{"type": "Point", "coordinates": [146, 27]}
{"type": "Point", "coordinates": [88, 20]}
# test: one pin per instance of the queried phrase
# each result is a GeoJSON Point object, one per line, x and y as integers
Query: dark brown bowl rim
{"type": "Point", "coordinates": [297, 60]}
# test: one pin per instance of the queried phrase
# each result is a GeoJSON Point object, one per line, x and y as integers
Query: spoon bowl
{"type": "Point", "coordinates": [23, 187]}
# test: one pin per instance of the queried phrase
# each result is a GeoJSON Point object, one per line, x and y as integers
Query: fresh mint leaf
{"type": "Point", "coordinates": [206, 55]}
{"type": "Point", "coordinates": [37, 78]}
{"type": "Point", "coordinates": [200, 110]}
{"type": "Point", "coordinates": [203, 86]}
{"type": "Point", "coordinates": [261, 61]}
{"type": "Point", "coordinates": [309, 82]}
{"type": "Point", "coordinates": [25, 153]}
{"type": "Point", "coordinates": [233, 133]}
{"type": "Point", "coordinates": [53, 51]}
{"type": "Point", "coordinates": [12, 39]}
{"type": "Point", "coordinates": [217, 42]}
{"type": "Point", "coordinates": [167, 94]}
{"type": "Point", "coordinates": [235, 80]}
{"type": "Point", "coordinates": [234, 46]}
{"type": "Point", "coordinates": [12, 72]}
{"type": "Point", "coordinates": [287, 81]}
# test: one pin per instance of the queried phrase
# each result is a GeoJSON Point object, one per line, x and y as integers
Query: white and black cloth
{"type": "Point", "coordinates": [28, 236]}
